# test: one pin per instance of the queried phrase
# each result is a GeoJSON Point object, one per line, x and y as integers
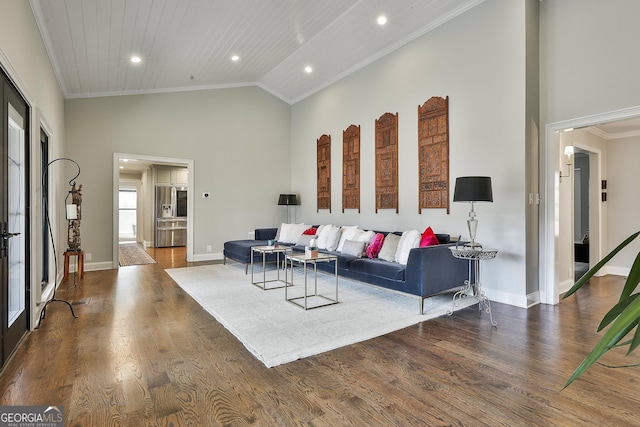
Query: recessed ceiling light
{"type": "Point", "coordinates": [308, 69]}
{"type": "Point", "coordinates": [235, 58]}
{"type": "Point", "coordinates": [136, 59]}
{"type": "Point", "coordinates": [382, 20]}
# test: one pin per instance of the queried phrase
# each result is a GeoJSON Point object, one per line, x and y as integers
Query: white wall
{"type": "Point", "coordinates": [238, 139]}
{"type": "Point", "coordinates": [24, 58]}
{"type": "Point", "coordinates": [478, 60]}
{"type": "Point", "coordinates": [586, 62]}
{"type": "Point", "coordinates": [623, 203]}
{"type": "Point", "coordinates": [586, 71]}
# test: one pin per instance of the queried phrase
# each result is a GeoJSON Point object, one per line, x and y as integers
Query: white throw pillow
{"type": "Point", "coordinates": [352, 247]}
{"type": "Point", "coordinates": [389, 247]}
{"type": "Point", "coordinates": [333, 238]}
{"type": "Point", "coordinates": [410, 239]}
{"type": "Point", "coordinates": [364, 236]}
{"type": "Point", "coordinates": [322, 235]}
{"type": "Point", "coordinates": [348, 232]}
{"type": "Point", "coordinates": [290, 233]}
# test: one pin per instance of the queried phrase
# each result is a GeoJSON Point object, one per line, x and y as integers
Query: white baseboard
{"type": "Point", "coordinates": [565, 286]}
{"type": "Point", "coordinates": [506, 297]}
{"type": "Point", "coordinates": [95, 266]}
{"type": "Point", "coordinates": [533, 299]}
{"type": "Point", "coordinates": [208, 257]}
{"type": "Point", "coordinates": [618, 271]}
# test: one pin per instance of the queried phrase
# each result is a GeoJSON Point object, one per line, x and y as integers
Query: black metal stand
{"type": "Point", "coordinates": [53, 245]}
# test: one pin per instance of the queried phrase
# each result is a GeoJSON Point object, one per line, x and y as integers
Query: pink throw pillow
{"type": "Point", "coordinates": [375, 244]}
{"type": "Point", "coordinates": [428, 238]}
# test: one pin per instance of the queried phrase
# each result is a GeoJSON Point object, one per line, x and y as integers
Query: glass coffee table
{"type": "Point", "coordinates": [266, 250]}
{"type": "Point", "coordinates": [311, 298]}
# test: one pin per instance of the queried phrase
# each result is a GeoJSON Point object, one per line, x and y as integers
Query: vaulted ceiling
{"type": "Point", "coordinates": [188, 44]}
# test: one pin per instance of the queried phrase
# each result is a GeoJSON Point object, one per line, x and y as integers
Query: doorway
{"type": "Point", "coordinates": [581, 217]}
{"type": "Point", "coordinates": [146, 187]}
{"type": "Point", "coordinates": [14, 218]}
{"type": "Point", "coordinates": [550, 220]}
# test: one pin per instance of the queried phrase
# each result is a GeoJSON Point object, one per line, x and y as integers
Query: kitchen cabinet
{"type": "Point", "coordinates": [172, 176]}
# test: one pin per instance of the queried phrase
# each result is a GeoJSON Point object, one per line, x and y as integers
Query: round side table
{"type": "Point", "coordinates": [473, 286]}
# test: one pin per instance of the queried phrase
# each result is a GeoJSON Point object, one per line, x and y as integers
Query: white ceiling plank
{"type": "Point", "coordinates": [78, 38]}
{"type": "Point", "coordinates": [91, 46]}
{"type": "Point", "coordinates": [91, 41]}
{"type": "Point", "coordinates": [115, 41]}
{"type": "Point", "coordinates": [103, 23]}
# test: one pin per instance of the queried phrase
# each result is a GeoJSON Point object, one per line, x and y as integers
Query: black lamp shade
{"type": "Point", "coordinates": [473, 189]}
{"type": "Point", "coordinates": [288, 200]}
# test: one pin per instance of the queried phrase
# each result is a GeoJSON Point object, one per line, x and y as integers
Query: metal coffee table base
{"type": "Point", "coordinates": [308, 301]}
{"type": "Point", "coordinates": [264, 250]}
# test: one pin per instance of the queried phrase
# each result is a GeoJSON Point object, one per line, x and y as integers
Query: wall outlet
{"type": "Point", "coordinates": [208, 248]}
{"type": "Point", "coordinates": [87, 256]}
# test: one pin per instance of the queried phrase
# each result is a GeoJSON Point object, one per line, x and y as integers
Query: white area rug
{"type": "Point", "coordinates": [277, 332]}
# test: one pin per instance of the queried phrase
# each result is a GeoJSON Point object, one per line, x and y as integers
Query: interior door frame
{"type": "Point", "coordinates": [549, 277]}
{"type": "Point", "coordinates": [188, 163]}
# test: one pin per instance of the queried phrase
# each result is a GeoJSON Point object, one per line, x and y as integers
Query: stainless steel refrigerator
{"type": "Point", "coordinates": [171, 216]}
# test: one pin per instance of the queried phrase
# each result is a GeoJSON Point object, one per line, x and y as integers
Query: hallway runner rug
{"type": "Point", "coordinates": [133, 254]}
{"type": "Point", "coordinates": [278, 332]}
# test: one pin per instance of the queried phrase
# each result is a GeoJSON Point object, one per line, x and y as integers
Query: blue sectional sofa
{"type": "Point", "coordinates": [429, 270]}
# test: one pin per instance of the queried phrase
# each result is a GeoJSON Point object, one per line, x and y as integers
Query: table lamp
{"type": "Point", "coordinates": [473, 189]}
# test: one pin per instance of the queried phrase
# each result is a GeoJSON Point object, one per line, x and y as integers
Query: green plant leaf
{"type": "Point", "coordinates": [627, 320]}
{"type": "Point", "coordinates": [632, 280]}
{"type": "Point", "coordinates": [615, 311]}
{"type": "Point", "coordinates": [634, 342]}
{"type": "Point", "coordinates": [599, 265]}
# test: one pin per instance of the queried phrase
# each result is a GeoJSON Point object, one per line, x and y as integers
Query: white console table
{"type": "Point", "coordinates": [474, 290]}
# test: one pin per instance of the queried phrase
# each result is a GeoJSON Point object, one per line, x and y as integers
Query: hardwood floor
{"type": "Point", "coordinates": [142, 352]}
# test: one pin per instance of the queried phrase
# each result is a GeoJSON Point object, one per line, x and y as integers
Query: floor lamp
{"type": "Point", "coordinates": [71, 215]}
{"type": "Point", "coordinates": [288, 200]}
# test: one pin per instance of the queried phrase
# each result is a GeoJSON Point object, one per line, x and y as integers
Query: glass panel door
{"type": "Point", "coordinates": [16, 224]}
{"type": "Point", "coordinates": [14, 219]}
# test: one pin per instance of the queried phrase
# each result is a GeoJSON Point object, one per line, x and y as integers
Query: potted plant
{"type": "Point", "coordinates": [623, 317]}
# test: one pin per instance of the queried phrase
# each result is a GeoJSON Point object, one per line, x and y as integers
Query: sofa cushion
{"type": "Point", "coordinates": [346, 233]}
{"type": "Point", "coordinates": [375, 245]}
{"type": "Point", "coordinates": [290, 233]}
{"type": "Point", "coordinates": [410, 239]}
{"type": "Point", "coordinates": [305, 240]}
{"type": "Point", "coordinates": [378, 268]}
{"type": "Point", "coordinates": [329, 238]}
{"type": "Point", "coordinates": [352, 247]}
{"type": "Point", "coordinates": [428, 238]}
{"type": "Point", "coordinates": [389, 247]}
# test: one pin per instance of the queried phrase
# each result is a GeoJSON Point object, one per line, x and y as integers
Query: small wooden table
{"type": "Point", "coordinates": [79, 263]}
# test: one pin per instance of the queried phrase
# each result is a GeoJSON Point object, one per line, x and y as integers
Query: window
{"type": "Point", "coordinates": [127, 202]}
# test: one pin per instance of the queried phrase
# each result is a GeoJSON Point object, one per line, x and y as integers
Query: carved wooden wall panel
{"type": "Point", "coordinates": [324, 172]}
{"type": "Point", "coordinates": [433, 154]}
{"type": "Point", "coordinates": [387, 162]}
{"type": "Point", "coordinates": [351, 168]}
